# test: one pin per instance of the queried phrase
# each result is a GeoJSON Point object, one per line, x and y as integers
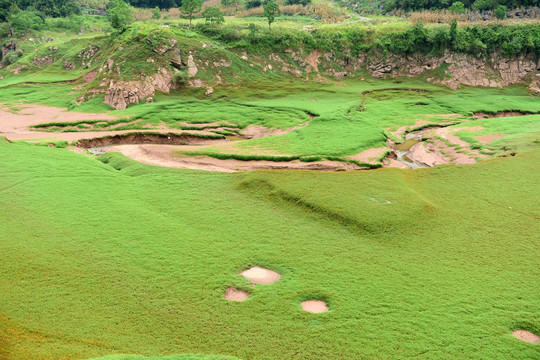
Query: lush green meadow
{"type": "Point", "coordinates": [112, 256]}
{"type": "Point", "coordinates": [106, 258]}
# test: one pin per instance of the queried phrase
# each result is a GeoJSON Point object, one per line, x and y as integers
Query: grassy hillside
{"type": "Point", "coordinates": [118, 257]}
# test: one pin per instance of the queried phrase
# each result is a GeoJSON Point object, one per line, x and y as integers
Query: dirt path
{"type": "Point", "coordinates": [16, 125]}
{"type": "Point", "coordinates": [169, 156]}
{"type": "Point", "coordinates": [20, 121]}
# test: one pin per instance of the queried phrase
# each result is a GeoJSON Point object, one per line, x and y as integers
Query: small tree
{"type": "Point", "coordinates": [156, 14]}
{"type": "Point", "coordinates": [484, 4]}
{"type": "Point", "coordinates": [121, 15]}
{"type": "Point", "coordinates": [500, 12]}
{"type": "Point", "coordinates": [453, 32]}
{"type": "Point", "coordinates": [235, 3]}
{"type": "Point", "coordinates": [213, 15]}
{"type": "Point", "coordinates": [271, 9]}
{"type": "Point", "coordinates": [457, 8]}
{"type": "Point", "coordinates": [190, 8]}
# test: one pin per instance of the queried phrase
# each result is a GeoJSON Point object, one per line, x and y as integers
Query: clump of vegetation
{"type": "Point", "coordinates": [457, 8]}
{"type": "Point", "coordinates": [156, 14]}
{"type": "Point", "coordinates": [189, 8]}
{"type": "Point", "coordinates": [271, 10]}
{"type": "Point", "coordinates": [12, 57]}
{"type": "Point", "coordinates": [500, 12]}
{"type": "Point", "coordinates": [121, 15]}
{"type": "Point", "coordinates": [213, 15]}
{"type": "Point", "coordinates": [180, 77]}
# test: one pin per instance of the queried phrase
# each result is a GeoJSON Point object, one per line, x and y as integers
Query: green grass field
{"type": "Point", "coordinates": [106, 258]}
{"type": "Point", "coordinates": [112, 256]}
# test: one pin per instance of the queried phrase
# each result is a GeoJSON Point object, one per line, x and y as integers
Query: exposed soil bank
{"type": "Point", "coordinates": [148, 138]}
{"type": "Point", "coordinates": [483, 115]}
{"type": "Point", "coordinates": [169, 156]}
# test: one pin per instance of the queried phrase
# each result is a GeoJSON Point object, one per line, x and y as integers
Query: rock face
{"type": "Point", "coordinates": [496, 71]}
{"type": "Point", "coordinates": [47, 59]}
{"type": "Point", "coordinates": [8, 47]}
{"type": "Point", "coordinates": [121, 94]}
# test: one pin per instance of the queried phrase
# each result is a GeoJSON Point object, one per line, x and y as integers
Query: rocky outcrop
{"type": "Point", "coordinates": [87, 55]}
{"type": "Point", "coordinates": [496, 71]}
{"type": "Point", "coordinates": [69, 66]}
{"type": "Point", "coordinates": [192, 67]}
{"type": "Point", "coordinates": [121, 94]}
{"type": "Point", "coordinates": [9, 47]}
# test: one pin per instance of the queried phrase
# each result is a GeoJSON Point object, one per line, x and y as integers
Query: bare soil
{"type": "Point", "coordinates": [370, 156]}
{"type": "Point", "coordinates": [29, 115]}
{"type": "Point", "coordinates": [487, 139]}
{"type": "Point", "coordinates": [168, 156]}
{"type": "Point", "coordinates": [482, 115]}
{"type": "Point", "coordinates": [526, 336]}
{"type": "Point", "coordinates": [393, 163]}
{"type": "Point", "coordinates": [259, 131]}
{"type": "Point", "coordinates": [259, 275]}
{"type": "Point", "coordinates": [234, 294]}
{"type": "Point", "coordinates": [146, 138]}
{"type": "Point", "coordinates": [401, 131]}
{"type": "Point", "coordinates": [314, 306]}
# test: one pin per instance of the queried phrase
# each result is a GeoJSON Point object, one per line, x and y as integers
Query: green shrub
{"type": "Point", "coordinates": [458, 8]}
{"type": "Point", "coordinates": [500, 12]}
{"type": "Point", "coordinates": [484, 4]}
{"type": "Point", "coordinates": [298, 2]}
{"type": "Point", "coordinates": [156, 14]}
{"type": "Point", "coordinates": [26, 20]}
{"type": "Point", "coordinates": [12, 57]}
{"type": "Point", "coordinates": [213, 15]}
{"type": "Point", "coordinates": [253, 3]}
{"type": "Point", "coordinates": [180, 77]}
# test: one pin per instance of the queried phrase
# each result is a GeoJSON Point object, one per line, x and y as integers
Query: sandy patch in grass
{"type": "Point", "coordinates": [393, 163]}
{"type": "Point", "coordinates": [314, 306]}
{"type": "Point", "coordinates": [234, 294]}
{"type": "Point", "coordinates": [168, 156]}
{"type": "Point", "coordinates": [437, 153]}
{"type": "Point", "coordinates": [259, 131]}
{"type": "Point", "coordinates": [427, 155]}
{"type": "Point", "coordinates": [38, 114]}
{"type": "Point", "coordinates": [370, 156]}
{"type": "Point", "coordinates": [259, 275]}
{"type": "Point", "coordinates": [486, 139]}
{"type": "Point", "coordinates": [448, 134]}
{"type": "Point", "coordinates": [211, 124]}
{"type": "Point", "coordinates": [399, 132]}
{"type": "Point", "coordinates": [526, 336]}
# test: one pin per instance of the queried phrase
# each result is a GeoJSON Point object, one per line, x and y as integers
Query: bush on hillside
{"type": "Point", "coordinates": [250, 4]}
{"type": "Point", "coordinates": [27, 20]}
{"type": "Point", "coordinates": [484, 4]}
{"type": "Point", "coordinates": [458, 8]}
{"type": "Point", "coordinates": [180, 77]}
{"type": "Point", "coordinates": [298, 2]}
{"type": "Point", "coordinates": [12, 57]}
{"type": "Point", "coordinates": [500, 12]}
